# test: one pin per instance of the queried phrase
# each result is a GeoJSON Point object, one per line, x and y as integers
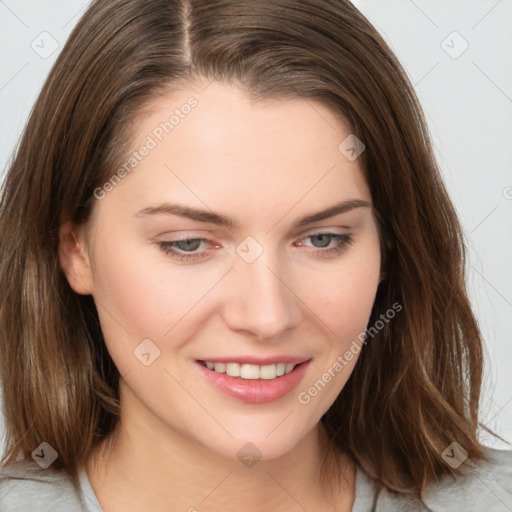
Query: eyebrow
{"type": "Point", "coordinates": [221, 220]}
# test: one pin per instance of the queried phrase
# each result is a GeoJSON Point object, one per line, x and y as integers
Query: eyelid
{"type": "Point", "coordinates": [344, 241]}
{"type": "Point", "coordinates": [186, 236]}
{"type": "Point", "coordinates": [324, 231]}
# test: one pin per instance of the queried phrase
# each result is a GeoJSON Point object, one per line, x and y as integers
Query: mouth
{"type": "Point", "coordinates": [254, 383]}
{"type": "Point", "coordinates": [250, 371]}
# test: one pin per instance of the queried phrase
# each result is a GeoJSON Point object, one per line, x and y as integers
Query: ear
{"type": "Point", "coordinates": [74, 259]}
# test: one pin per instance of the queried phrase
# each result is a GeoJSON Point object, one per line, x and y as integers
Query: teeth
{"type": "Point", "coordinates": [251, 371]}
{"type": "Point", "coordinates": [219, 367]}
{"type": "Point", "coordinates": [268, 372]}
{"type": "Point", "coordinates": [233, 369]}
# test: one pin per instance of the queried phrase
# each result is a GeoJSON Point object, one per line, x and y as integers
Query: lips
{"type": "Point", "coordinates": [260, 361]}
{"type": "Point", "coordinates": [277, 377]}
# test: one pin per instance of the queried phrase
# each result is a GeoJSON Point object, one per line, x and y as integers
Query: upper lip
{"type": "Point", "coordinates": [259, 361]}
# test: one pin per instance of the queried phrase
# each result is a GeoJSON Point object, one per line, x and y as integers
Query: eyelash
{"type": "Point", "coordinates": [168, 247]}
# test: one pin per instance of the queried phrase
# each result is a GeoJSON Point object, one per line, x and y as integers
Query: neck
{"type": "Point", "coordinates": [150, 466]}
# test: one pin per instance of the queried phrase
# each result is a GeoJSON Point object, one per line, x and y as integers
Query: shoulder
{"type": "Point", "coordinates": [483, 485]}
{"type": "Point", "coordinates": [25, 486]}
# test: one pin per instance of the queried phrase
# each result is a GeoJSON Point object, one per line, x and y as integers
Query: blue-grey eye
{"type": "Point", "coordinates": [191, 244]}
{"type": "Point", "coordinates": [324, 239]}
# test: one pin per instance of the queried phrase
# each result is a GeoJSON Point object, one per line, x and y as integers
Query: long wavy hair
{"type": "Point", "coordinates": [416, 385]}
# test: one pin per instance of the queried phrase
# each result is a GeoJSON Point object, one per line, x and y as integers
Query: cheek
{"type": "Point", "coordinates": [342, 296]}
{"type": "Point", "coordinates": [132, 284]}
{"type": "Point", "coordinates": [141, 296]}
{"type": "Point", "coordinates": [344, 301]}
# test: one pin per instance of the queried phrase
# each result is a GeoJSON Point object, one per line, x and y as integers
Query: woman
{"type": "Point", "coordinates": [232, 275]}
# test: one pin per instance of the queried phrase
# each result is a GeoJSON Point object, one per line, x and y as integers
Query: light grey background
{"type": "Point", "coordinates": [467, 97]}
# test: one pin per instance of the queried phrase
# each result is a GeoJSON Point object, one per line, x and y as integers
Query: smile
{"type": "Point", "coordinates": [253, 383]}
{"type": "Point", "coordinates": [251, 371]}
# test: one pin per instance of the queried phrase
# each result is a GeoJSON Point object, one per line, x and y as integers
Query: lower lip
{"type": "Point", "coordinates": [255, 391]}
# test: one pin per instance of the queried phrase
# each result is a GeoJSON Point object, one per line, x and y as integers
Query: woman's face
{"type": "Point", "coordinates": [214, 246]}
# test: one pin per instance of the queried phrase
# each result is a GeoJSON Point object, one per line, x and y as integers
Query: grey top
{"type": "Point", "coordinates": [25, 487]}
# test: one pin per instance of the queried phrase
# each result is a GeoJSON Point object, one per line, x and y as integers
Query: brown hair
{"type": "Point", "coordinates": [416, 386]}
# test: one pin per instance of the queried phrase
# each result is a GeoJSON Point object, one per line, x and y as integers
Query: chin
{"type": "Point", "coordinates": [257, 440]}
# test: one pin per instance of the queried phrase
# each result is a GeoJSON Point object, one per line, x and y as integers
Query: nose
{"type": "Point", "coordinates": [262, 302]}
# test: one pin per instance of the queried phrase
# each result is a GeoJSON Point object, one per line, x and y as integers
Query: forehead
{"type": "Point", "coordinates": [224, 117]}
{"type": "Point", "coordinates": [218, 147]}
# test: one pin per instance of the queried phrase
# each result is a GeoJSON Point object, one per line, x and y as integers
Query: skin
{"type": "Point", "coordinates": [265, 165]}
